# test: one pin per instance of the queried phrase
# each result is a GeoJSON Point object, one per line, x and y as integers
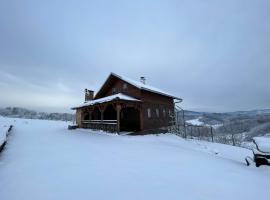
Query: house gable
{"type": "Point", "coordinates": [115, 85]}
{"type": "Point", "coordinates": [134, 88]}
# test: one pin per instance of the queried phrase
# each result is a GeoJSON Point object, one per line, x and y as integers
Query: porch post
{"type": "Point", "coordinates": [141, 117]}
{"type": "Point", "coordinates": [79, 117]}
{"type": "Point", "coordinates": [101, 116]}
{"type": "Point", "coordinates": [101, 109]}
{"type": "Point", "coordinates": [118, 109]}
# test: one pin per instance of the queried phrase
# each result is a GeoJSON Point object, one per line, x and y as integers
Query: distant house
{"type": "Point", "coordinates": [123, 104]}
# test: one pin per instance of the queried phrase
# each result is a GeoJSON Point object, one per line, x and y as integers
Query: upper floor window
{"type": "Point", "coordinates": [114, 90]}
{"type": "Point", "coordinates": [157, 112]}
{"type": "Point", "coordinates": [124, 87]}
{"type": "Point", "coordinates": [149, 112]}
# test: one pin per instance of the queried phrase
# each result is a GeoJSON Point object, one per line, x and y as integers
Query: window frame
{"type": "Point", "coordinates": [157, 112]}
{"type": "Point", "coordinates": [125, 87]}
{"type": "Point", "coordinates": [164, 112]}
{"type": "Point", "coordinates": [149, 113]}
{"type": "Point", "coordinates": [169, 112]}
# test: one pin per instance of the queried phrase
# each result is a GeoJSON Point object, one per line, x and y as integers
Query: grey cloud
{"type": "Point", "coordinates": [213, 54]}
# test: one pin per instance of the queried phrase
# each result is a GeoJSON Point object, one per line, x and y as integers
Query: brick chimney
{"type": "Point", "coordinates": [89, 95]}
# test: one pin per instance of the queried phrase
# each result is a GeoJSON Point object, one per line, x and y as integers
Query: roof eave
{"type": "Point", "coordinates": [116, 99]}
{"type": "Point", "coordinates": [177, 98]}
{"type": "Point", "coordinates": [111, 74]}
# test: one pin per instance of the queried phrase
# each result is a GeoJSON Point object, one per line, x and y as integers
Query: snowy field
{"type": "Point", "coordinates": [4, 126]}
{"type": "Point", "coordinates": [45, 161]}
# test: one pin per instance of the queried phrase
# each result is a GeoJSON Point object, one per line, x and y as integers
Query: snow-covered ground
{"type": "Point", "coordinates": [45, 161]}
{"type": "Point", "coordinates": [4, 126]}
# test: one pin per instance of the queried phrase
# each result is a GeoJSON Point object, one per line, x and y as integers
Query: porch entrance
{"type": "Point", "coordinates": [110, 113]}
{"type": "Point", "coordinates": [130, 119]}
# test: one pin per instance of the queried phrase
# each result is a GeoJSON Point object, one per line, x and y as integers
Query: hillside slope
{"type": "Point", "coordinates": [251, 123]}
{"type": "Point", "coordinates": [45, 161]}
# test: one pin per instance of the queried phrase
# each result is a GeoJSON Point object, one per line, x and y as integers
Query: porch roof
{"type": "Point", "coordinates": [118, 96]}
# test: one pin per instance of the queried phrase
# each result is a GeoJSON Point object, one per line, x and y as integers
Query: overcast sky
{"type": "Point", "coordinates": [213, 54]}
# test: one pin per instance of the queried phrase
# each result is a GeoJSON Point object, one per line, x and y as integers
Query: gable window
{"type": "Point", "coordinates": [124, 87]}
{"type": "Point", "coordinates": [149, 112]}
{"type": "Point", "coordinates": [157, 112]}
{"type": "Point", "coordinates": [113, 90]}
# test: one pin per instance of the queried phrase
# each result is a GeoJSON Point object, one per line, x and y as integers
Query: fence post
{"type": "Point", "coordinates": [212, 134]}
{"type": "Point", "coordinates": [184, 123]}
{"type": "Point", "coordinates": [233, 139]}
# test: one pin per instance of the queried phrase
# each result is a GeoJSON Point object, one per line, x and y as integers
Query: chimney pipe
{"type": "Point", "coordinates": [143, 79]}
{"type": "Point", "coordinates": [89, 95]}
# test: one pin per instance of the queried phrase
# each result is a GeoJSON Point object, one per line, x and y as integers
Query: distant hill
{"type": "Point", "coordinates": [214, 118]}
{"type": "Point", "coordinates": [252, 123]}
{"type": "Point", "coordinates": [30, 114]}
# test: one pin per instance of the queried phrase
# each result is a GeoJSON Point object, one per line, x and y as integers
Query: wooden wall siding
{"type": "Point", "coordinates": [155, 98]}
{"type": "Point", "coordinates": [106, 89]}
{"type": "Point", "coordinates": [155, 101]}
{"type": "Point", "coordinates": [155, 121]}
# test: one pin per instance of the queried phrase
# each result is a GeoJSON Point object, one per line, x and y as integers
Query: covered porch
{"type": "Point", "coordinates": [113, 115]}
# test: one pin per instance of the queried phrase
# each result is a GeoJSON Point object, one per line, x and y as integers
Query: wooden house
{"type": "Point", "coordinates": [123, 104]}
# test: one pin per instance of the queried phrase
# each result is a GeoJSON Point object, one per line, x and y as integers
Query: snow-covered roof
{"type": "Point", "coordinates": [143, 86]}
{"type": "Point", "coordinates": [119, 96]}
{"type": "Point", "coordinates": [263, 143]}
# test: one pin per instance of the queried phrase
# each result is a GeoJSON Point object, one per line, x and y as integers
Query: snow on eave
{"type": "Point", "coordinates": [140, 86]}
{"type": "Point", "coordinates": [118, 96]}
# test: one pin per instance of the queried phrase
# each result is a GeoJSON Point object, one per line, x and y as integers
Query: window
{"type": "Point", "coordinates": [157, 112]}
{"type": "Point", "coordinates": [170, 112]}
{"type": "Point", "coordinates": [149, 112]}
{"type": "Point", "coordinates": [164, 112]}
{"type": "Point", "coordinates": [124, 87]}
{"type": "Point", "coordinates": [114, 91]}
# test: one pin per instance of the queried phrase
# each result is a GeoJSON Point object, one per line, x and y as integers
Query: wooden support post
{"type": "Point", "coordinates": [118, 110]}
{"type": "Point", "coordinates": [184, 124]}
{"type": "Point", "coordinates": [141, 118]}
{"type": "Point", "coordinates": [101, 109]}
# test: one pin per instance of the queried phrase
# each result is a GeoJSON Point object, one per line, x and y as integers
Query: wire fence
{"type": "Point", "coordinates": [180, 127]}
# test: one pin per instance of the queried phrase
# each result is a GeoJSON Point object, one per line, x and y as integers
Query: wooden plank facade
{"type": "Point", "coordinates": [134, 108]}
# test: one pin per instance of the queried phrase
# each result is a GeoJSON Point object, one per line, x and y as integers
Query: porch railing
{"type": "Point", "coordinates": [106, 125]}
